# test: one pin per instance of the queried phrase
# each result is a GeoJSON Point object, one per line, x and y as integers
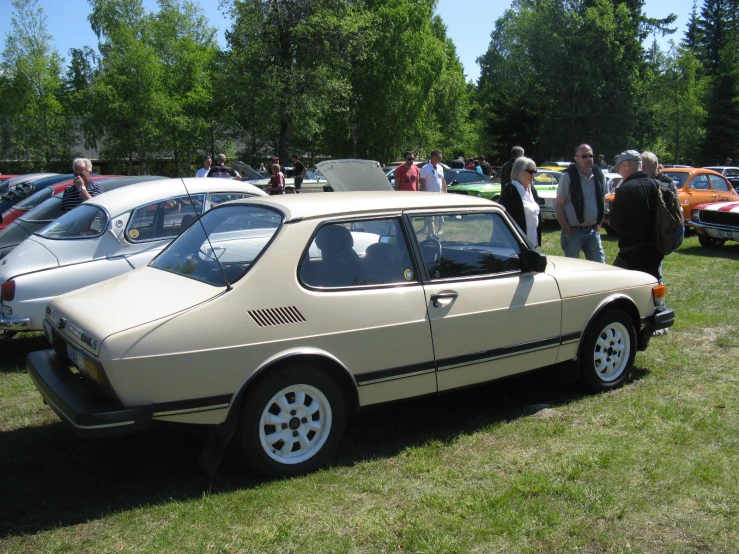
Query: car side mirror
{"type": "Point", "coordinates": [533, 260]}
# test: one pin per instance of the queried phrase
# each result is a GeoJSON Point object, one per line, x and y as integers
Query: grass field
{"type": "Point", "coordinates": [525, 465]}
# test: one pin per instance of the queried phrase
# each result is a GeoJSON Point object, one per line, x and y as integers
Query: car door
{"type": "Point", "coordinates": [722, 190]}
{"type": "Point", "coordinates": [488, 318]}
{"type": "Point", "coordinates": [363, 275]}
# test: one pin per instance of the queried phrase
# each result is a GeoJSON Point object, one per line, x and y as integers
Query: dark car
{"type": "Point", "coordinates": [48, 210]}
{"type": "Point", "coordinates": [464, 177]}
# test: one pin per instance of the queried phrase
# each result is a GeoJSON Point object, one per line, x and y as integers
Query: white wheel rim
{"type": "Point", "coordinates": [295, 424]}
{"type": "Point", "coordinates": [611, 352]}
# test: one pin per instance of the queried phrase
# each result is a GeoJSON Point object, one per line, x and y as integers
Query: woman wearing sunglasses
{"type": "Point", "coordinates": [520, 199]}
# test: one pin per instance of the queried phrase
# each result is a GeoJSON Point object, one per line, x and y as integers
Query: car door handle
{"type": "Point", "coordinates": [442, 295]}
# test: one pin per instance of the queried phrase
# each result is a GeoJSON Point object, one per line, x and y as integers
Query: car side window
{"type": "Point", "coordinates": [466, 245]}
{"type": "Point", "coordinates": [164, 219]}
{"type": "Point", "coordinates": [719, 183]}
{"type": "Point", "coordinates": [358, 253]}
{"type": "Point", "coordinates": [700, 182]}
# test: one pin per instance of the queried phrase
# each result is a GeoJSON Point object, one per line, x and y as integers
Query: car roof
{"type": "Point", "coordinates": [330, 204]}
{"type": "Point", "coordinates": [123, 199]}
{"type": "Point", "coordinates": [691, 170]}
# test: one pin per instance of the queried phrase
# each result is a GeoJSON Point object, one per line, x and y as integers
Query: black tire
{"type": "Point", "coordinates": [283, 442]}
{"type": "Point", "coordinates": [608, 352]}
{"type": "Point", "coordinates": [7, 335]}
{"type": "Point", "coordinates": [709, 242]}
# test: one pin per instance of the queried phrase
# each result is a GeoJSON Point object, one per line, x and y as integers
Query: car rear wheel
{"type": "Point", "coordinates": [709, 242]}
{"type": "Point", "coordinates": [608, 351]}
{"type": "Point", "coordinates": [292, 422]}
{"type": "Point", "coordinates": [7, 335]}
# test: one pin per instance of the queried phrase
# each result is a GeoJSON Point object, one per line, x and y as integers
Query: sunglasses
{"type": "Point", "coordinates": [531, 171]}
{"type": "Point", "coordinates": [587, 156]}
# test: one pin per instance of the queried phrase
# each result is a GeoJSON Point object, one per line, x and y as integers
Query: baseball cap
{"type": "Point", "coordinates": [627, 156]}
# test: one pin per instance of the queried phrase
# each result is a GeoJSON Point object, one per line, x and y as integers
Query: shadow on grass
{"type": "Point", "coordinates": [13, 351]}
{"type": "Point", "coordinates": [729, 251]}
{"type": "Point", "coordinates": [51, 478]}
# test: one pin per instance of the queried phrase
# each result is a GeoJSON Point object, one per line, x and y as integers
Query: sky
{"type": "Point", "coordinates": [469, 23]}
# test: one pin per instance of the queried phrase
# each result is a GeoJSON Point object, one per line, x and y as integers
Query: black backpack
{"type": "Point", "coordinates": [668, 220]}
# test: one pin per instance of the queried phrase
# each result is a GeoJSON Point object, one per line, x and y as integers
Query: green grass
{"type": "Point", "coordinates": [524, 465]}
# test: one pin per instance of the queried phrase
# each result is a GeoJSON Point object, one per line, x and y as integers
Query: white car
{"type": "Point", "coordinates": [715, 223]}
{"type": "Point", "coordinates": [278, 315]}
{"type": "Point", "coordinates": [104, 237]}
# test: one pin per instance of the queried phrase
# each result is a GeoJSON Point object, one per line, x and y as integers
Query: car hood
{"type": "Point", "coordinates": [577, 277]}
{"type": "Point", "coordinates": [129, 300]}
{"type": "Point", "coordinates": [354, 175]}
{"type": "Point", "coordinates": [719, 207]}
{"type": "Point", "coordinates": [27, 257]}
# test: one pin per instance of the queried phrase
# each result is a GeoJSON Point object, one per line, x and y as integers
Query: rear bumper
{"type": "Point", "coordinates": [14, 323]}
{"type": "Point", "coordinates": [662, 318]}
{"type": "Point", "coordinates": [71, 400]}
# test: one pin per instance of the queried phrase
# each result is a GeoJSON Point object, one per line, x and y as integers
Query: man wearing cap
{"type": "Point", "coordinates": [203, 171]}
{"type": "Point", "coordinates": [580, 205]}
{"type": "Point", "coordinates": [632, 216]}
{"type": "Point", "coordinates": [222, 171]}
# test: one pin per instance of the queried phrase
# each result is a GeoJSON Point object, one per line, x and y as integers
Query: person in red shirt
{"type": "Point", "coordinates": [406, 176]}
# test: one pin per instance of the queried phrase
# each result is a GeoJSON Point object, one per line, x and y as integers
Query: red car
{"type": "Point", "coordinates": [39, 196]}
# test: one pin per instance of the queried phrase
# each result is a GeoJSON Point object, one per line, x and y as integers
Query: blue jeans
{"type": "Point", "coordinates": [587, 241]}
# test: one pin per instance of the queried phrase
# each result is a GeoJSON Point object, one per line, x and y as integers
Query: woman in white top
{"type": "Point", "coordinates": [521, 200]}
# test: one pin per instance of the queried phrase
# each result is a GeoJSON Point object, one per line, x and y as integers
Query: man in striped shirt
{"type": "Point", "coordinates": [82, 187]}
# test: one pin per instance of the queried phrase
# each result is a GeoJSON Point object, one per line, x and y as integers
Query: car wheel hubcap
{"type": "Point", "coordinates": [612, 350]}
{"type": "Point", "coordinates": [295, 424]}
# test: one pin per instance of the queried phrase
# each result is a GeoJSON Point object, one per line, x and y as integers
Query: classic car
{"type": "Point", "coordinates": [313, 181]}
{"type": "Point", "coordinates": [546, 180]}
{"type": "Point", "coordinates": [695, 185]}
{"type": "Point", "coordinates": [716, 223]}
{"type": "Point", "coordinates": [454, 177]}
{"type": "Point", "coordinates": [106, 236]}
{"type": "Point", "coordinates": [37, 217]}
{"type": "Point", "coordinates": [276, 316]}
{"type": "Point", "coordinates": [555, 166]}
{"type": "Point", "coordinates": [40, 193]}
{"type": "Point", "coordinates": [18, 189]}
{"type": "Point", "coordinates": [16, 179]}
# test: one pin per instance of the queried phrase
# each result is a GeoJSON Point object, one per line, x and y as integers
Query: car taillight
{"type": "Point", "coordinates": [658, 293]}
{"type": "Point", "coordinates": [8, 291]}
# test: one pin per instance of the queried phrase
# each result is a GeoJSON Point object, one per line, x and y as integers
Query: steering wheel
{"type": "Point", "coordinates": [430, 250]}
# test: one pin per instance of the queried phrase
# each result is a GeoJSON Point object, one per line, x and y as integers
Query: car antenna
{"type": "Point", "coordinates": [213, 250]}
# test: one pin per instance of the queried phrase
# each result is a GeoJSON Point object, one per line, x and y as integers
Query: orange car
{"type": "Point", "coordinates": [695, 186]}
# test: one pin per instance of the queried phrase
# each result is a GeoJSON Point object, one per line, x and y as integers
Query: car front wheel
{"type": "Point", "coordinates": [609, 350]}
{"type": "Point", "coordinates": [292, 422]}
{"type": "Point", "coordinates": [709, 242]}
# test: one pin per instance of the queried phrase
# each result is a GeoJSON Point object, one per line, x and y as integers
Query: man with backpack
{"type": "Point", "coordinates": [645, 217]}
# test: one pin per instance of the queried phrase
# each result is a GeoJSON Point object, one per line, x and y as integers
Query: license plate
{"type": "Point", "coordinates": [725, 234]}
{"type": "Point", "coordinates": [73, 355]}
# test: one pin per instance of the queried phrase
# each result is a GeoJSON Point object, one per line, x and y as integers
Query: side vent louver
{"type": "Point", "coordinates": [276, 316]}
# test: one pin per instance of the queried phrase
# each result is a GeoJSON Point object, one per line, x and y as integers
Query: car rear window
{"type": "Point", "coordinates": [35, 199]}
{"type": "Point", "coordinates": [223, 246]}
{"type": "Point", "coordinates": [85, 221]}
{"type": "Point", "coordinates": [46, 211]}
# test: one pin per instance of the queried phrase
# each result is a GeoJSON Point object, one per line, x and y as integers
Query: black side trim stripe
{"type": "Point", "coordinates": [497, 353]}
{"type": "Point", "coordinates": [390, 374]}
{"type": "Point", "coordinates": [193, 405]}
{"type": "Point", "coordinates": [570, 337]}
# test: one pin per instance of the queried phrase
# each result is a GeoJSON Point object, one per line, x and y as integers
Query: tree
{"type": "Point", "coordinates": [35, 128]}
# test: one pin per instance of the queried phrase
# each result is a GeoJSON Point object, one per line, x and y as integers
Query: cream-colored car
{"type": "Point", "coordinates": [278, 315]}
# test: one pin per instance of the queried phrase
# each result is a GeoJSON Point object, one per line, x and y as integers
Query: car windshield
{"type": "Point", "coordinates": [35, 199]}
{"type": "Point", "coordinates": [84, 221]}
{"type": "Point", "coordinates": [678, 177]}
{"type": "Point", "coordinates": [48, 210]}
{"type": "Point", "coordinates": [236, 236]}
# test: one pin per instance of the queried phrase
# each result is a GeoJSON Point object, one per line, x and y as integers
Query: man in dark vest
{"type": "Point", "coordinates": [579, 207]}
{"type": "Point", "coordinates": [505, 172]}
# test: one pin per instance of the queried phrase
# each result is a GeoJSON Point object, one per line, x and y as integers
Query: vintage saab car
{"type": "Point", "coordinates": [278, 315]}
{"type": "Point", "coordinates": [695, 185]}
{"type": "Point", "coordinates": [108, 235]}
{"type": "Point", "coordinates": [716, 223]}
{"type": "Point", "coordinates": [40, 209]}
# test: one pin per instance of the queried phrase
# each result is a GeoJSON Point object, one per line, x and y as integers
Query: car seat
{"type": "Point", "coordinates": [340, 266]}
